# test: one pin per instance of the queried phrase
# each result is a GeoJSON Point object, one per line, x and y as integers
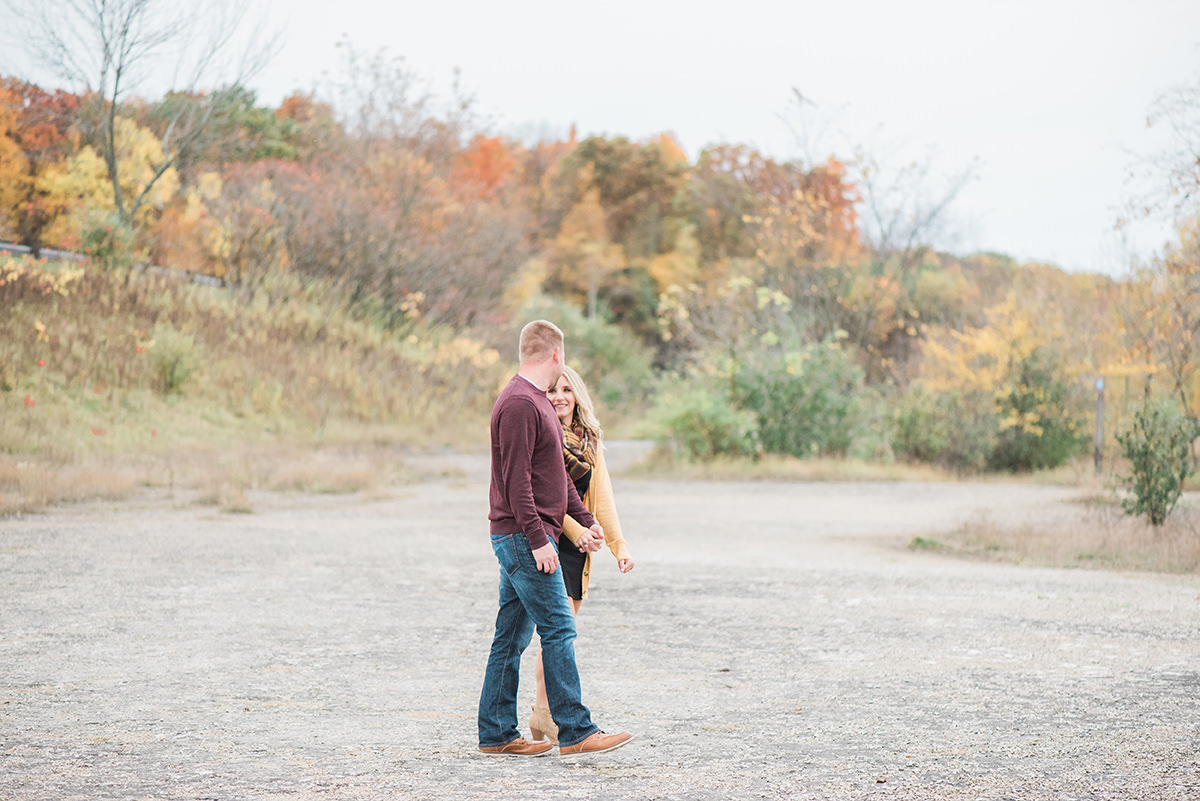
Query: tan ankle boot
{"type": "Point", "coordinates": [542, 725]}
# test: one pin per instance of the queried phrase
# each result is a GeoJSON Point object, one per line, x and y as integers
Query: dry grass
{"type": "Point", "coordinates": [785, 468]}
{"type": "Point", "coordinates": [225, 477]}
{"type": "Point", "coordinates": [29, 486]}
{"type": "Point", "coordinates": [1094, 532]}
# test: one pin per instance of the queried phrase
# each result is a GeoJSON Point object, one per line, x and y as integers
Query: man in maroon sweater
{"type": "Point", "coordinates": [530, 493]}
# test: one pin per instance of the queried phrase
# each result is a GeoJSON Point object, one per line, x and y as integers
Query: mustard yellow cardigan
{"type": "Point", "coordinates": [599, 501]}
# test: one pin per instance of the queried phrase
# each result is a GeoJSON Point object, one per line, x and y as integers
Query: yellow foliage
{"type": "Point", "coordinates": [582, 253]}
{"type": "Point", "coordinates": [584, 223]}
{"type": "Point", "coordinates": [207, 186]}
{"type": "Point", "coordinates": [681, 266]}
{"type": "Point", "coordinates": [525, 285]}
{"type": "Point", "coordinates": [139, 156]}
{"type": "Point", "coordinates": [81, 184]}
{"type": "Point", "coordinates": [982, 359]}
{"type": "Point", "coordinates": [990, 361]}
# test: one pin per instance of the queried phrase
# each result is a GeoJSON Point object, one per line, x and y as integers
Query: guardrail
{"type": "Point", "coordinates": [50, 254]}
{"type": "Point", "coordinates": [47, 253]}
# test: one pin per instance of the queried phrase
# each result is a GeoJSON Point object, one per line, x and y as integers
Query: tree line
{"type": "Point", "coordinates": [734, 300]}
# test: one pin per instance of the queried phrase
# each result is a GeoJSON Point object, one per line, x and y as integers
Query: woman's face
{"type": "Point", "coordinates": [563, 399]}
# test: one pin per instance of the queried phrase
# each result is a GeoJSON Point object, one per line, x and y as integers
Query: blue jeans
{"type": "Point", "coordinates": [529, 598]}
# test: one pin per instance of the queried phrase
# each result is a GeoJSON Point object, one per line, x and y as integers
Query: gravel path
{"type": "Point", "coordinates": [775, 641]}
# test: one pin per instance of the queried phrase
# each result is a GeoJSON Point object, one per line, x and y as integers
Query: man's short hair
{"type": "Point", "coordinates": [538, 341]}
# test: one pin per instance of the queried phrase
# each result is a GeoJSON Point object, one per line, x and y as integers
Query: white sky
{"type": "Point", "coordinates": [1050, 96]}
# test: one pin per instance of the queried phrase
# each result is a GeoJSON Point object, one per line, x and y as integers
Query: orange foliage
{"type": "Point", "coordinates": [40, 125]}
{"type": "Point", "coordinates": [672, 150]}
{"type": "Point", "coordinates": [13, 171]}
{"type": "Point", "coordinates": [483, 168]}
{"type": "Point", "coordinates": [302, 108]}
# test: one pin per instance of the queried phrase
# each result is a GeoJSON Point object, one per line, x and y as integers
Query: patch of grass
{"type": "Point", "coordinates": [1093, 532]}
{"type": "Point", "coordinates": [141, 367]}
{"type": "Point", "coordinates": [925, 544]}
{"type": "Point", "coordinates": [784, 468]}
{"type": "Point", "coordinates": [209, 468]}
{"type": "Point", "coordinates": [28, 486]}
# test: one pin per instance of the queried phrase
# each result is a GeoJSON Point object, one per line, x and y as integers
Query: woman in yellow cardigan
{"type": "Point", "coordinates": [583, 453]}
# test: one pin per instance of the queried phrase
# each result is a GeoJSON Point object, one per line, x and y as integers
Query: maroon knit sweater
{"type": "Point", "coordinates": [530, 488]}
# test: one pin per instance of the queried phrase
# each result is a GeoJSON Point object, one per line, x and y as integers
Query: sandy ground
{"type": "Point", "coordinates": [776, 640]}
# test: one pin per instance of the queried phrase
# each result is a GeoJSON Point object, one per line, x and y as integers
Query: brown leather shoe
{"type": "Point", "coordinates": [517, 747]}
{"type": "Point", "coordinates": [596, 743]}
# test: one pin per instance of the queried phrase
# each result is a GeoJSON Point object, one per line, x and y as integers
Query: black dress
{"type": "Point", "coordinates": [569, 557]}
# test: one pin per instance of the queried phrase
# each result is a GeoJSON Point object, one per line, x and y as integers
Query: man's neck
{"type": "Point", "coordinates": [532, 380]}
{"type": "Point", "coordinates": [540, 374]}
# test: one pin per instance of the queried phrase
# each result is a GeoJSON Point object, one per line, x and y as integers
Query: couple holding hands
{"type": "Point", "coordinates": [548, 480]}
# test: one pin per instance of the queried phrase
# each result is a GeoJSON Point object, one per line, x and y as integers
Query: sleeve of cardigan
{"type": "Point", "coordinates": [572, 529]}
{"type": "Point", "coordinates": [605, 508]}
{"type": "Point", "coordinates": [600, 501]}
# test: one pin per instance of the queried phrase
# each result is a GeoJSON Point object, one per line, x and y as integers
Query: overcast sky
{"type": "Point", "coordinates": [1049, 97]}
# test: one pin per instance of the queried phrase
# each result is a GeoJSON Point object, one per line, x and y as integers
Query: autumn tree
{"type": "Point", "coordinates": [13, 171]}
{"type": "Point", "coordinates": [82, 185]}
{"type": "Point", "coordinates": [806, 235]}
{"type": "Point", "coordinates": [1165, 317]}
{"type": "Point", "coordinates": [108, 47]}
{"type": "Point", "coordinates": [396, 214]}
{"type": "Point", "coordinates": [40, 123]}
{"type": "Point", "coordinates": [317, 130]}
{"type": "Point", "coordinates": [635, 186]}
{"type": "Point", "coordinates": [238, 129]}
{"type": "Point", "coordinates": [582, 254]}
{"type": "Point", "coordinates": [483, 168]}
{"type": "Point", "coordinates": [1012, 388]}
{"type": "Point", "coordinates": [720, 197]}
{"type": "Point", "coordinates": [904, 214]}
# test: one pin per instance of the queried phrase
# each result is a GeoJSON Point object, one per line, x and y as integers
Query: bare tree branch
{"type": "Point", "coordinates": [109, 48]}
{"type": "Point", "coordinates": [905, 215]}
{"type": "Point", "coordinates": [1166, 183]}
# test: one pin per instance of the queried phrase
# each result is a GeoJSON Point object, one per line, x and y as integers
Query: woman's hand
{"type": "Point", "coordinates": [591, 540]}
{"type": "Point", "coordinates": [624, 565]}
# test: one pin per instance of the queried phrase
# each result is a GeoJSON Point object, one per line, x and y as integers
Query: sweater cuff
{"type": "Point", "coordinates": [537, 538]}
{"type": "Point", "coordinates": [619, 550]}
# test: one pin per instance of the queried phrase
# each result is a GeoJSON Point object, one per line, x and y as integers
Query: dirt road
{"type": "Point", "coordinates": [776, 640]}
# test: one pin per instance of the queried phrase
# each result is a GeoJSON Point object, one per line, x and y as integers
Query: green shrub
{"type": "Point", "coordinates": [174, 359]}
{"type": "Point", "coordinates": [920, 425]}
{"type": "Point", "coordinates": [1158, 448]}
{"type": "Point", "coordinates": [702, 425]}
{"type": "Point", "coordinates": [955, 431]}
{"type": "Point", "coordinates": [804, 402]}
{"type": "Point", "coordinates": [109, 241]}
{"type": "Point", "coordinates": [1040, 431]}
{"type": "Point", "coordinates": [871, 432]}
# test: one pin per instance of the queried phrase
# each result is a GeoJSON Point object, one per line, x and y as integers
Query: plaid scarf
{"type": "Point", "coordinates": [579, 451]}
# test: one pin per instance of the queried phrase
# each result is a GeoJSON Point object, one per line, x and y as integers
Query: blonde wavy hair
{"type": "Point", "coordinates": [585, 411]}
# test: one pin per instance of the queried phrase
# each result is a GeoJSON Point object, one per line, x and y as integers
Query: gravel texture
{"type": "Point", "coordinates": [776, 640]}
